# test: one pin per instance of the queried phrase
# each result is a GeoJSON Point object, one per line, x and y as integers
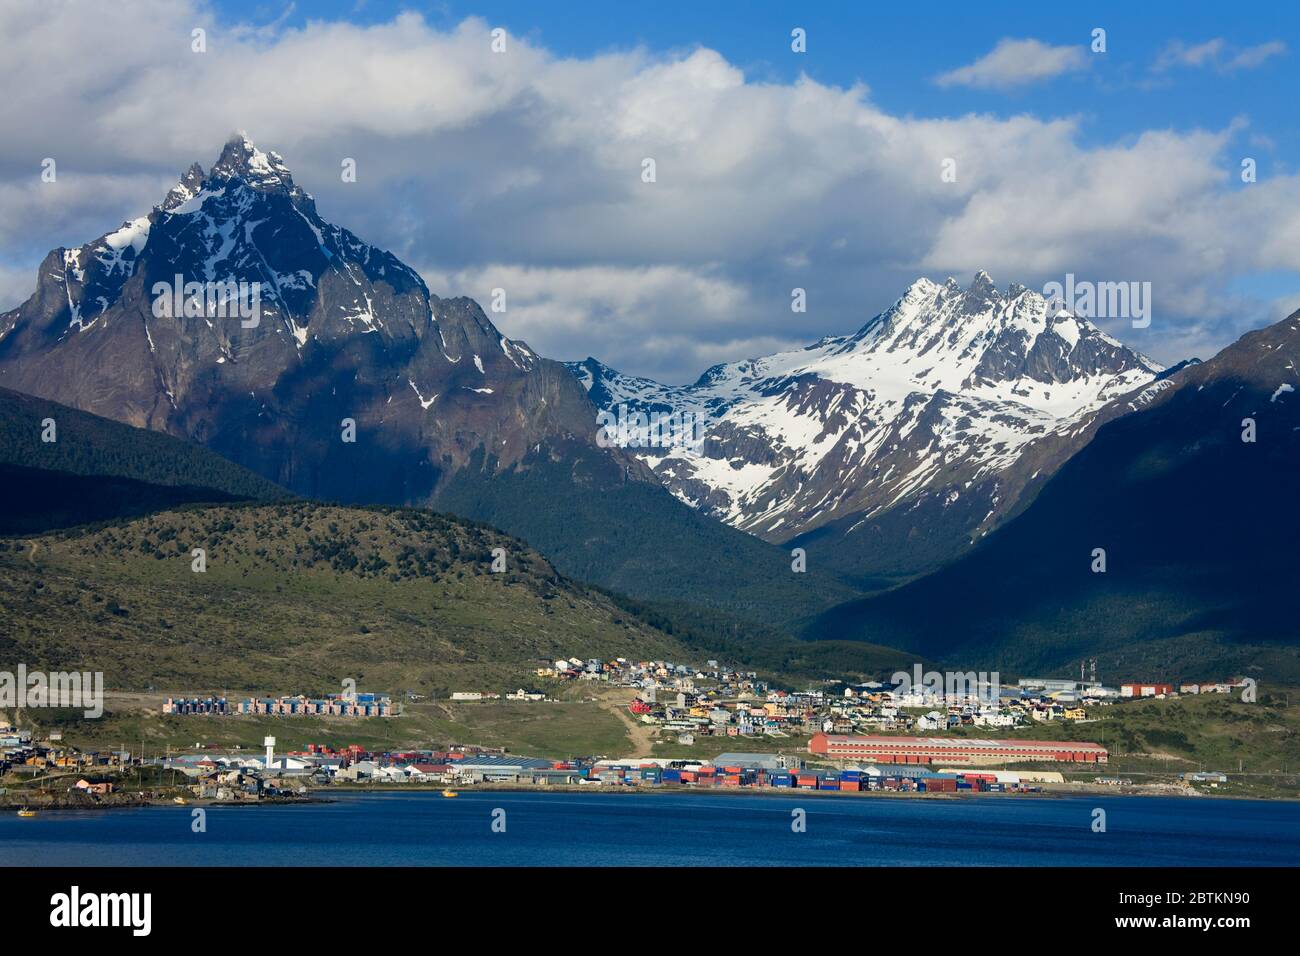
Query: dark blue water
{"type": "Point", "coordinates": [669, 830]}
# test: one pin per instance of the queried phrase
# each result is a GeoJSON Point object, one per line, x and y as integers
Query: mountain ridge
{"type": "Point", "coordinates": [932, 400]}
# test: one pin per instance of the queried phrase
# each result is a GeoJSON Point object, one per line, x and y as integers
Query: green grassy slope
{"type": "Point", "coordinates": [298, 597]}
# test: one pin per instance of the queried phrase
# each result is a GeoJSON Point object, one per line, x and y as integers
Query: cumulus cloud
{"type": "Point", "coordinates": [522, 170]}
{"type": "Point", "coordinates": [543, 303]}
{"type": "Point", "coordinates": [1015, 63]}
{"type": "Point", "coordinates": [1216, 53]}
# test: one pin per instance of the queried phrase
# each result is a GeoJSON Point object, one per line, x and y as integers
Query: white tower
{"type": "Point", "coordinates": [270, 751]}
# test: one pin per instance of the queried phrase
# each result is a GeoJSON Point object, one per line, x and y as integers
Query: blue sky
{"type": "Point", "coordinates": [776, 170]}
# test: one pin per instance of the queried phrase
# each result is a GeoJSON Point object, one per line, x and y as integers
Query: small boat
{"type": "Point", "coordinates": [181, 800]}
{"type": "Point", "coordinates": [450, 793]}
{"type": "Point", "coordinates": [24, 812]}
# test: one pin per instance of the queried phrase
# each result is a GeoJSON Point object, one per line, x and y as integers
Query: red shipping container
{"type": "Point", "coordinates": [852, 785]}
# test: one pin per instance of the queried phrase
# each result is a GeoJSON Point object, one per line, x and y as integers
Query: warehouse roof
{"type": "Point", "coordinates": [502, 762]}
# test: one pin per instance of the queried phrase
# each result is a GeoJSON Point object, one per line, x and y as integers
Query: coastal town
{"type": "Point", "coordinates": [919, 733]}
{"type": "Point", "coordinates": [681, 702]}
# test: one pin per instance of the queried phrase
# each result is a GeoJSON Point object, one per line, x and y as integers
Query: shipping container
{"type": "Point", "coordinates": [850, 785]}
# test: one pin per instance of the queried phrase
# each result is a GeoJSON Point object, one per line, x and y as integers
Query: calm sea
{"type": "Point", "coordinates": [669, 830]}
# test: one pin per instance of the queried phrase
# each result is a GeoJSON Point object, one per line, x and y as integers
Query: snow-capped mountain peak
{"type": "Point", "coordinates": [240, 159]}
{"type": "Point", "coordinates": [234, 314]}
{"type": "Point", "coordinates": [944, 389]}
{"type": "Point", "coordinates": [246, 221]}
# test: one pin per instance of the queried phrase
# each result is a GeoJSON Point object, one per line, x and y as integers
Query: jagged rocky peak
{"type": "Point", "coordinates": [982, 284]}
{"type": "Point", "coordinates": [992, 335]}
{"type": "Point", "coordinates": [241, 159]}
{"type": "Point", "coordinates": [186, 189]}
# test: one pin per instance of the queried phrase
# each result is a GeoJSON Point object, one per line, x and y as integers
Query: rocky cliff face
{"type": "Point", "coordinates": [234, 315]}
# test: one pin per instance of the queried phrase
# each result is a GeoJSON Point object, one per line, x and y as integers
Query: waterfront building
{"type": "Point", "coordinates": [926, 750]}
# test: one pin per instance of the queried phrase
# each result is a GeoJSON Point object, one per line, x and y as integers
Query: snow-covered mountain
{"type": "Point", "coordinates": [144, 325]}
{"type": "Point", "coordinates": [917, 420]}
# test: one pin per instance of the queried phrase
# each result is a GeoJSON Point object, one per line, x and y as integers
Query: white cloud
{"type": "Point", "coordinates": [523, 170]}
{"type": "Point", "coordinates": [1216, 53]}
{"type": "Point", "coordinates": [647, 317]}
{"type": "Point", "coordinates": [1253, 56]}
{"type": "Point", "coordinates": [1015, 63]}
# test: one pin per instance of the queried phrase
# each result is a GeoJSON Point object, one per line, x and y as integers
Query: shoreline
{"type": "Point", "coordinates": [54, 806]}
{"type": "Point", "coordinates": [327, 795]}
{"type": "Point", "coordinates": [1050, 790]}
